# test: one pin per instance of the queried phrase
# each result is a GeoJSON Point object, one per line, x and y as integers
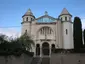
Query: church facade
{"type": "Point", "coordinates": [49, 32]}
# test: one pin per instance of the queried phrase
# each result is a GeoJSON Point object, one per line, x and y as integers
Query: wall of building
{"type": "Point", "coordinates": [36, 27]}
{"type": "Point", "coordinates": [68, 58]}
{"type": "Point", "coordinates": [67, 38]}
{"type": "Point", "coordinates": [11, 59]}
{"type": "Point", "coordinates": [59, 34]}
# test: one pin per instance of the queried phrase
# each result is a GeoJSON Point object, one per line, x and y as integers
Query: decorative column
{"type": "Point", "coordinates": [50, 50]}
{"type": "Point", "coordinates": [35, 51]}
{"type": "Point", "coordinates": [40, 50]}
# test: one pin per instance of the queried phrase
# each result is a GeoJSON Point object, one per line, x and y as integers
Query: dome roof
{"type": "Point", "coordinates": [28, 13]}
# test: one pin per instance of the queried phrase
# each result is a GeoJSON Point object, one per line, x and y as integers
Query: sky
{"type": "Point", "coordinates": [11, 12]}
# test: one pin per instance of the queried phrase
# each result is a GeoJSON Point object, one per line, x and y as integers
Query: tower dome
{"type": "Point", "coordinates": [65, 15]}
{"type": "Point", "coordinates": [65, 12]}
{"type": "Point", "coordinates": [28, 13]}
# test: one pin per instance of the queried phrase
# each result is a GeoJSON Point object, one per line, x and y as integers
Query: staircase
{"type": "Point", "coordinates": [36, 60]}
{"type": "Point", "coordinates": [45, 60]}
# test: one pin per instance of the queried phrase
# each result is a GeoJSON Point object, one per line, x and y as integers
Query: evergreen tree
{"type": "Point", "coordinates": [84, 37]}
{"type": "Point", "coordinates": [77, 33]}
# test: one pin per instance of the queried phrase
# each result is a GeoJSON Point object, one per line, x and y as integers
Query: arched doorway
{"type": "Point", "coordinates": [37, 49]}
{"type": "Point", "coordinates": [45, 48]}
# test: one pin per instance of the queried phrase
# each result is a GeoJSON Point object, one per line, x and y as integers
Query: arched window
{"type": "Point", "coordinates": [65, 18]}
{"type": "Point", "coordinates": [23, 19]}
{"type": "Point", "coordinates": [31, 19]}
{"type": "Point", "coordinates": [69, 18]}
{"type": "Point", "coordinates": [61, 18]}
{"type": "Point", "coordinates": [66, 31]}
{"type": "Point", "coordinates": [26, 31]}
{"type": "Point", "coordinates": [27, 19]}
{"type": "Point", "coordinates": [46, 30]}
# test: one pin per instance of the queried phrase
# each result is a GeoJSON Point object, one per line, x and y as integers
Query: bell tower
{"type": "Point", "coordinates": [65, 15]}
{"type": "Point", "coordinates": [67, 31]}
{"type": "Point", "coordinates": [27, 19]}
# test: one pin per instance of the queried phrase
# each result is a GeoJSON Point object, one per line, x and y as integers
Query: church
{"type": "Point", "coordinates": [48, 32]}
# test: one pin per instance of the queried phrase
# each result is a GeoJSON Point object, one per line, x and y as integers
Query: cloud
{"type": "Point", "coordinates": [10, 32]}
{"type": "Point", "coordinates": [83, 23]}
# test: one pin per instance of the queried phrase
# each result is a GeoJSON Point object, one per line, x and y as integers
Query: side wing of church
{"type": "Point", "coordinates": [49, 32]}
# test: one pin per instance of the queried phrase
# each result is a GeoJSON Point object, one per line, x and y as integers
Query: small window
{"type": "Point", "coordinates": [31, 19]}
{"type": "Point", "coordinates": [25, 31]}
{"type": "Point", "coordinates": [61, 18]}
{"type": "Point", "coordinates": [65, 18]}
{"type": "Point", "coordinates": [27, 19]}
{"type": "Point", "coordinates": [23, 19]}
{"type": "Point", "coordinates": [70, 18]}
{"type": "Point", "coordinates": [66, 31]}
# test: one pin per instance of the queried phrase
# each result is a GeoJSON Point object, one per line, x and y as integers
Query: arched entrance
{"type": "Point", "coordinates": [45, 48]}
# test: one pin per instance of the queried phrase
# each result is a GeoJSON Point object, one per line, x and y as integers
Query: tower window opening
{"type": "Point", "coordinates": [26, 31]}
{"type": "Point", "coordinates": [27, 19]}
{"type": "Point", "coordinates": [66, 31]}
{"type": "Point", "coordinates": [61, 18]}
{"type": "Point", "coordinates": [31, 19]}
{"type": "Point", "coordinates": [23, 19]}
{"type": "Point", "coordinates": [70, 18]}
{"type": "Point", "coordinates": [65, 18]}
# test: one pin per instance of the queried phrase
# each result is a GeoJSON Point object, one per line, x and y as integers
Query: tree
{"type": "Point", "coordinates": [3, 42]}
{"type": "Point", "coordinates": [77, 34]}
{"type": "Point", "coordinates": [84, 37]}
{"type": "Point", "coordinates": [26, 41]}
{"type": "Point", "coordinates": [11, 44]}
{"type": "Point", "coordinates": [3, 38]}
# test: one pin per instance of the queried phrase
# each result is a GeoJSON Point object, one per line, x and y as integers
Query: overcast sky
{"type": "Point", "coordinates": [11, 12]}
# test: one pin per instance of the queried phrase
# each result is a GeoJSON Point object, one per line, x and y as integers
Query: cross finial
{"type": "Point", "coordinates": [46, 13]}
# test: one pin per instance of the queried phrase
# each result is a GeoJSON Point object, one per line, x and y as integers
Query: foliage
{"type": "Point", "coordinates": [15, 46]}
{"type": "Point", "coordinates": [3, 38]}
{"type": "Point", "coordinates": [84, 37]}
{"type": "Point", "coordinates": [26, 41]}
{"type": "Point", "coordinates": [77, 33]}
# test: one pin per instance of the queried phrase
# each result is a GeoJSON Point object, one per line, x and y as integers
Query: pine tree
{"type": "Point", "coordinates": [84, 37]}
{"type": "Point", "coordinates": [77, 33]}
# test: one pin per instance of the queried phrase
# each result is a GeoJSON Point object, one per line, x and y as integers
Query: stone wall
{"type": "Point", "coordinates": [75, 58]}
{"type": "Point", "coordinates": [11, 59]}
